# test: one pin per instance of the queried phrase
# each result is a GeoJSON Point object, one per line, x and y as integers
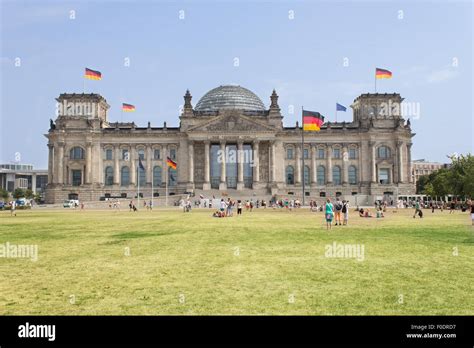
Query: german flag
{"type": "Point", "coordinates": [382, 74]}
{"type": "Point", "coordinates": [93, 74]}
{"type": "Point", "coordinates": [170, 163]}
{"type": "Point", "coordinates": [312, 120]}
{"type": "Point", "coordinates": [128, 107]}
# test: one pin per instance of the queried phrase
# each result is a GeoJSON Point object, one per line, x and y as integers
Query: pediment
{"type": "Point", "coordinates": [232, 123]}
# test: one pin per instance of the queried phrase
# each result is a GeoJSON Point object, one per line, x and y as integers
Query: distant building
{"type": "Point", "coordinates": [24, 176]}
{"type": "Point", "coordinates": [422, 167]}
{"type": "Point", "coordinates": [91, 158]}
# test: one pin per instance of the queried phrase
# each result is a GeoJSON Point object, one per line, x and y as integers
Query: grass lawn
{"type": "Point", "coordinates": [263, 262]}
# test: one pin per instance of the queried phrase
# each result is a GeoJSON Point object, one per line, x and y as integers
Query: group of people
{"type": "Point", "coordinates": [334, 211]}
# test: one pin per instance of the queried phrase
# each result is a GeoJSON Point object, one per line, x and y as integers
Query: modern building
{"type": "Point", "coordinates": [422, 167]}
{"type": "Point", "coordinates": [24, 176]}
{"type": "Point", "coordinates": [91, 157]}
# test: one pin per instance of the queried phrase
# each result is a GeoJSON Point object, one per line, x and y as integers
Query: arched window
{"type": "Point", "coordinates": [141, 154]}
{"type": "Point", "coordinates": [76, 153]}
{"type": "Point", "coordinates": [172, 177]}
{"type": "Point", "coordinates": [306, 175]}
{"type": "Point", "coordinates": [108, 154]}
{"type": "Point", "coordinates": [352, 175]}
{"type": "Point", "coordinates": [290, 175]}
{"type": "Point", "coordinates": [336, 175]}
{"type": "Point", "coordinates": [157, 176]}
{"type": "Point", "coordinates": [321, 173]}
{"type": "Point", "coordinates": [383, 152]}
{"type": "Point", "coordinates": [125, 176]}
{"type": "Point", "coordinates": [109, 176]}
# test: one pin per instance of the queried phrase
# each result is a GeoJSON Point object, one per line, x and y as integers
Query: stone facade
{"type": "Point", "coordinates": [90, 157]}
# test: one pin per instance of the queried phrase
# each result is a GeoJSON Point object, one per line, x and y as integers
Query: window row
{"type": "Point", "coordinates": [125, 176]}
{"type": "Point", "coordinates": [321, 175]}
{"type": "Point", "coordinates": [321, 153]}
{"type": "Point", "coordinates": [125, 154]}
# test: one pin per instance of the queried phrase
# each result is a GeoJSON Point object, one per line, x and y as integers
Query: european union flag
{"type": "Point", "coordinates": [340, 107]}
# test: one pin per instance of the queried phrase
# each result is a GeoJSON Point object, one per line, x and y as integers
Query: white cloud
{"type": "Point", "coordinates": [441, 75]}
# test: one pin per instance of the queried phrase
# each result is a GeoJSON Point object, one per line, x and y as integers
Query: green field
{"type": "Point", "coordinates": [263, 262]}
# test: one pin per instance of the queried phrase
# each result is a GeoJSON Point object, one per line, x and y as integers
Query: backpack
{"type": "Point", "coordinates": [338, 206]}
{"type": "Point", "coordinates": [344, 208]}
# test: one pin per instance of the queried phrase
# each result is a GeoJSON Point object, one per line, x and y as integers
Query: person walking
{"type": "Point", "coordinates": [345, 211]}
{"type": "Point", "coordinates": [239, 207]}
{"type": "Point", "coordinates": [13, 208]}
{"type": "Point", "coordinates": [417, 209]}
{"type": "Point", "coordinates": [329, 212]}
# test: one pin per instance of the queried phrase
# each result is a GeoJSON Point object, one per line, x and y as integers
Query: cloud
{"type": "Point", "coordinates": [442, 75]}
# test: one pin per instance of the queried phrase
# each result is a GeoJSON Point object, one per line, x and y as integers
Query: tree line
{"type": "Point", "coordinates": [457, 179]}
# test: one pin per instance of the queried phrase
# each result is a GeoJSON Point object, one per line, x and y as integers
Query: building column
{"type": "Point", "coordinates": [33, 183]}
{"type": "Point", "coordinates": [256, 163]}
{"type": "Point", "coordinates": [50, 163]}
{"type": "Point", "coordinates": [373, 162]}
{"type": "Point", "coordinates": [207, 166]}
{"type": "Point", "coordinates": [223, 183]}
{"type": "Point", "coordinates": [116, 165]}
{"type": "Point", "coordinates": [271, 162]}
{"type": "Point", "coordinates": [164, 165]}
{"type": "Point", "coordinates": [401, 177]}
{"type": "Point", "coordinates": [149, 159]}
{"type": "Point", "coordinates": [88, 163]}
{"type": "Point", "coordinates": [329, 163]}
{"type": "Point", "coordinates": [191, 163]}
{"type": "Point", "coordinates": [345, 167]}
{"type": "Point", "coordinates": [240, 165]}
{"type": "Point", "coordinates": [133, 166]}
{"type": "Point", "coordinates": [60, 163]}
{"type": "Point", "coordinates": [313, 165]}
{"type": "Point", "coordinates": [298, 168]}
{"type": "Point", "coordinates": [410, 178]}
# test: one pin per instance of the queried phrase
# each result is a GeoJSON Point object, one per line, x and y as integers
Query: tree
{"type": "Point", "coordinates": [4, 194]}
{"type": "Point", "coordinates": [18, 193]}
{"type": "Point", "coordinates": [29, 194]}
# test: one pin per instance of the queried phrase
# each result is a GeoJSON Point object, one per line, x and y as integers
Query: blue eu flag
{"type": "Point", "coordinates": [340, 107]}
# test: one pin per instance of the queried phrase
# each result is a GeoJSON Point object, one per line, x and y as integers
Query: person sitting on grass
{"type": "Point", "coordinates": [365, 213]}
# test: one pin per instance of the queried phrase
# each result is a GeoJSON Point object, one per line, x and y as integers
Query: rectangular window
{"type": "Point", "coordinates": [125, 155]}
{"type": "Point", "coordinates": [352, 153]}
{"type": "Point", "coordinates": [156, 154]}
{"type": "Point", "coordinates": [108, 154]}
{"type": "Point", "coordinates": [320, 153]}
{"type": "Point", "coordinates": [306, 153]}
{"type": "Point", "coordinates": [336, 153]}
{"type": "Point", "coordinates": [76, 178]}
{"type": "Point", "coordinates": [289, 153]}
{"type": "Point", "coordinates": [384, 176]}
{"type": "Point", "coordinates": [173, 154]}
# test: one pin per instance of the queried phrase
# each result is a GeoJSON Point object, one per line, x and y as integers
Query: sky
{"type": "Point", "coordinates": [313, 53]}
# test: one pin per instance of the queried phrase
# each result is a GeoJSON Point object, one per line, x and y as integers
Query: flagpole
{"type": "Point", "coordinates": [302, 149]}
{"type": "Point", "coordinates": [375, 78]}
{"type": "Point", "coordinates": [336, 112]}
{"type": "Point", "coordinates": [166, 186]}
{"type": "Point", "coordinates": [138, 186]}
{"type": "Point", "coordinates": [152, 193]}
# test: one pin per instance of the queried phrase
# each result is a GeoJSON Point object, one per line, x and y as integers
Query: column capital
{"type": "Point", "coordinates": [400, 143]}
{"type": "Point", "coordinates": [255, 142]}
{"type": "Point", "coordinates": [409, 145]}
{"type": "Point", "coordinates": [222, 142]}
{"type": "Point", "coordinates": [372, 143]}
{"type": "Point", "coordinates": [61, 143]}
{"type": "Point", "coordinates": [207, 142]}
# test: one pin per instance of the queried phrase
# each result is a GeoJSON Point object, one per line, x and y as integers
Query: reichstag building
{"type": "Point", "coordinates": [91, 158]}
